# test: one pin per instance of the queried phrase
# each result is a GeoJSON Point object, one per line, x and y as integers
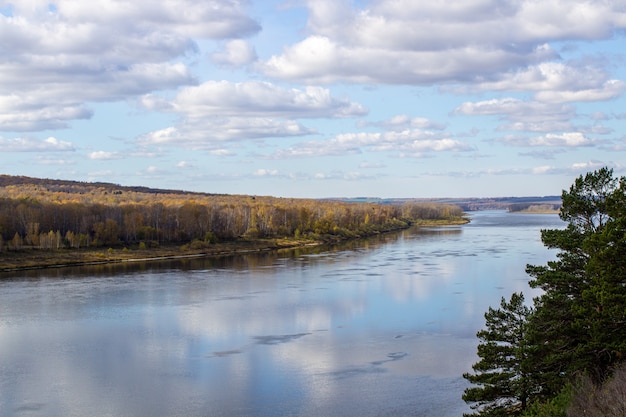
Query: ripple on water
{"type": "Point", "coordinates": [278, 339]}
{"type": "Point", "coordinates": [224, 353]}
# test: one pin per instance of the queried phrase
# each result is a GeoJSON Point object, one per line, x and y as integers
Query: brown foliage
{"type": "Point", "coordinates": [607, 400]}
{"type": "Point", "coordinates": [108, 215]}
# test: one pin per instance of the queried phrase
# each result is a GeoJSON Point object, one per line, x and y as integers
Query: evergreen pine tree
{"type": "Point", "coordinates": [502, 372]}
{"type": "Point", "coordinates": [578, 325]}
{"type": "Point", "coordinates": [604, 302]}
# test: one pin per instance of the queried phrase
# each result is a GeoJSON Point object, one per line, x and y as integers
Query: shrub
{"type": "Point", "coordinates": [606, 400]}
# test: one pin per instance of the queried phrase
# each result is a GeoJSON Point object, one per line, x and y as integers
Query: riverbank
{"type": "Point", "coordinates": [40, 259]}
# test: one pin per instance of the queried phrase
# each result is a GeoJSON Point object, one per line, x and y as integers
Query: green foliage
{"type": "Point", "coordinates": [578, 323]}
{"type": "Point", "coordinates": [199, 244]}
{"type": "Point", "coordinates": [502, 372]}
{"type": "Point", "coordinates": [553, 407]}
{"type": "Point", "coordinates": [209, 237]}
{"type": "Point", "coordinates": [585, 205]}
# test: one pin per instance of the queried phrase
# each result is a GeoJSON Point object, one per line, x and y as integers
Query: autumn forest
{"type": "Point", "coordinates": [55, 214]}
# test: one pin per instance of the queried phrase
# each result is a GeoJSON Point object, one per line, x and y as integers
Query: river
{"type": "Point", "coordinates": [377, 327]}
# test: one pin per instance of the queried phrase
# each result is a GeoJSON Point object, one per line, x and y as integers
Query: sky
{"type": "Point", "coordinates": [315, 98]}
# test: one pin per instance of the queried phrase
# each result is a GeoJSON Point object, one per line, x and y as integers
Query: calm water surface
{"type": "Point", "coordinates": [382, 327]}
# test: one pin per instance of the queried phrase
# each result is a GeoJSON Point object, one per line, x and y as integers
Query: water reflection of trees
{"type": "Point", "coordinates": [237, 262]}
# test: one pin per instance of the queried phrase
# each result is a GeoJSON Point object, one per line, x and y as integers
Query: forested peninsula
{"type": "Point", "coordinates": [46, 222]}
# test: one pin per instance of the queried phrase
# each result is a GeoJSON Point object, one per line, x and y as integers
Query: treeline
{"type": "Point", "coordinates": [565, 355]}
{"type": "Point", "coordinates": [534, 208]}
{"type": "Point", "coordinates": [49, 216]}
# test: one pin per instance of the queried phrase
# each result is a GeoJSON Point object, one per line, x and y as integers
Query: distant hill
{"type": "Point", "coordinates": [467, 204]}
{"type": "Point", "coordinates": [547, 203]}
{"type": "Point", "coordinates": [69, 186]}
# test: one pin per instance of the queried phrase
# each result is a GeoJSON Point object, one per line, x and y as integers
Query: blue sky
{"type": "Point", "coordinates": [319, 98]}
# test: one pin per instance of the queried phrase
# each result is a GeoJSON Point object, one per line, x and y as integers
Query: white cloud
{"type": "Point", "coordinates": [212, 112]}
{"type": "Point", "coordinates": [184, 165]}
{"type": "Point", "coordinates": [338, 175]}
{"type": "Point", "coordinates": [236, 53]}
{"type": "Point", "coordinates": [51, 144]}
{"type": "Point", "coordinates": [522, 115]}
{"type": "Point", "coordinates": [50, 100]}
{"type": "Point", "coordinates": [426, 42]}
{"type": "Point", "coordinates": [38, 111]}
{"type": "Point", "coordinates": [221, 152]}
{"type": "Point", "coordinates": [225, 98]}
{"type": "Point", "coordinates": [545, 169]}
{"type": "Point", "coordinates": [568, 139]}
{"type": "Point", "coordinates": [514, 108]}
{"type": "Point", "coordinates": [56, 60]}
{"type": "Point", "coordinates": [583, 167]}
{"type": "Point", "coordinates": [262, 172]}
{"type": "Point", "coordinates": [405, 143]}
{"type": "Point", "coordinates": [407, 22]}
{"type": "Point", "coordinates": [371, 165]}
{"type": "Point", "coordinates": [209, 134]}
{"type": "Point", "coordinates": [565, 140]}
{"type": "Point", "coordinates": [545, 77]}
{"type": "Point", "coordinates": [570, 170]}
{"type": "Point", "coordinates": [214, 19]}
{"type": "Point", "coordinates": [600, 115]}
{"type": "Point", "coordinates": [47, 159]}
{"type": "Point", "coordinates": [320, 60]}
{"type": "Point", "coordinates": [607, 91]}
{"type": "Point", "coordinates": [542, 153]}
{"type": "Point", "coordinates": [404, 121]}
{"type": "Point", "coordinates": [537, 125]}
{"type": "Point", "coordinates": [596, 129]}
{"type": "Point", "coordinates": [549, 112]}
{"type": "Point", "coordinates": [555, 82]}
{"type": "Point", "coordinates": [104, 155]}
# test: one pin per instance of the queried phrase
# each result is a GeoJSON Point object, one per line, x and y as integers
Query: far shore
{"type": "Point", "coordinates": [29, 259]}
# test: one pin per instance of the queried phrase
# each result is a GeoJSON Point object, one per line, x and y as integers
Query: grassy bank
{"type": "Point", "coordinates": [39, 259]}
